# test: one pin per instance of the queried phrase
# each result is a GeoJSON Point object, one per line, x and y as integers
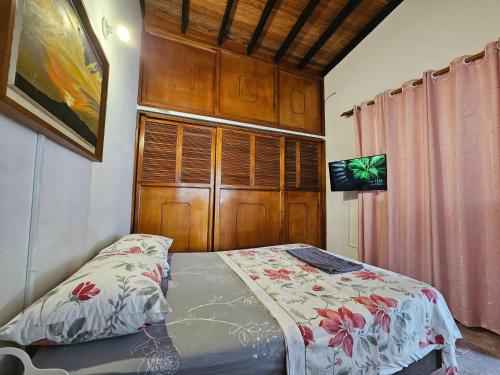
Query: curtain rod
{"type": "Point", "coordinates": [419, 81]}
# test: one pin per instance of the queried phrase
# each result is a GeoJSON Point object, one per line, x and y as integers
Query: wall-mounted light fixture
{"type": "Point", "coordinates": [121, 31]}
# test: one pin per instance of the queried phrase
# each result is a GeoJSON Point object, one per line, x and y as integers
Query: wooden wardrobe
{"type": "Point", "coordinates": [199, 79]}
{"type": "Point", "coordinates": [215, 187]}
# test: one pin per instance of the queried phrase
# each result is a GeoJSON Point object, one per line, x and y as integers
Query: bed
{"type": "Point", "coordinates": [221, 325]}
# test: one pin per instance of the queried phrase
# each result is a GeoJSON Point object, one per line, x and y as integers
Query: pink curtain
{"type": "Point", "coordinates": [370, 128]}
{"type": "Point", "coordinates": [439, 221]}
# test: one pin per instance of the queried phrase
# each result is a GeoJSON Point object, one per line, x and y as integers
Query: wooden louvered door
{"type": "Point", "coordinates": [175, 182]}
{"type": "Point", "coordinates": [303, 200]}
{"type": "Point", "coordinates": [248, 189]}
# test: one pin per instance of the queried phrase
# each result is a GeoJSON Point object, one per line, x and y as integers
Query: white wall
{"type": "Point", "coordinates": [55, 204]}
{"type": "Point", "coordinates": [419, 35]}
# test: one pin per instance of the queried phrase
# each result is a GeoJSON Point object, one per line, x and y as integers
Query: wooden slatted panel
{"type": "Point", "coordinates": [160, 147]}
{"type": "Point", "coordinates": [309, 166]}
{"type": "Point", "coordinates": [290, 164]}
{"type": "Point", "coordinates": [267, 161]}
{"type": "Point", "coordinates": [235, 158]}
{"type": "Point", "coordinates": [196, 155]}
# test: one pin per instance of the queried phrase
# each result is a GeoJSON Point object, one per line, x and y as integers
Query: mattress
{"type": "Point", "coordinates": [217, 326]}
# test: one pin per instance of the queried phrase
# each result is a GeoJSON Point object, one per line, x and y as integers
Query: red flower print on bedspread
{"type": "Point", "coordinates": [452, 371]}
{"type": "Point", "coordinates": [308, 268]}
{"type": "Point", "coordinates": [317, 288]}
{"type": "Point", "coordinates": [155, 276]}
{"type": "Point", "coordinates": [84, 292]}
{"type": "Point", "coordinates": [341, 324]}
{"type": "Point", "coordinates": [44, 342]}
{"type": "Point", "coordinates": [144, 326]}
{"type": "Point", "coordinates": [430, 294]}
{"type": "Point", "coordinates": [135, 250]}
{"type": "Point", "coordinates": [307, 334]}
{"type": "Point", "coordinates": [281, 274]}
{"type": "Point", "coordinates": [248, 252]}
{"type": "Point", "coordinates": [369, 275]}
{"type": "Point", "coordinates": [379, 307]}
{"type": "Point", "coordinates": [437, 340]}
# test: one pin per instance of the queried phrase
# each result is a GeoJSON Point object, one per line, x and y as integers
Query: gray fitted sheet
{"type": "Point", "coordinates": [217, 327]}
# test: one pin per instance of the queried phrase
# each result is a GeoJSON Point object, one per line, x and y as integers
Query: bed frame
{"type": "Point", "coordinates": [431, 362]}
{"type": "Point", "coordinates": [29, 369]}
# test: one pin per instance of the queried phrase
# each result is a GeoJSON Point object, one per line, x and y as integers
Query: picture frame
{"type": "Point", "coordinates": [54, 72]}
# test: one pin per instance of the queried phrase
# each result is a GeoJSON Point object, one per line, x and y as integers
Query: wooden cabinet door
{"type": "Point", "coordinates": [185, 76]}
{"type": "Point", "coordinates": [302, 222]}
{"type": "Point", "coordinates": [175, 183]}
{"type": "Point", "coordinates": [248, 197]}
{"type": "Point", "coordinates": [247, 218]}
{"type": "Point", "coordinates": [303, 165]}
{"type": "Point", "coordinates": [304, 197]}
{"type": "Point", "coordinates": [246, 88]}
{"type": "Point", "coordinates": [182, 214]}
{"type": "Point", "coordinates": [220, 188]}
{"type": "Point", "coordinates": [300, 103]}
{"type": "Point", "coordinates": [249, 160]}
{"type": "Point", "coordinates": [177, 75]}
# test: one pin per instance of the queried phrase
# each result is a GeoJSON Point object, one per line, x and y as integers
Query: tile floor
{"type": "Point", "coordinates": [478, 352]}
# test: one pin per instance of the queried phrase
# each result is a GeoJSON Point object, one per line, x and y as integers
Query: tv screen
{"type": "Point", "coordinates": [366, 173]}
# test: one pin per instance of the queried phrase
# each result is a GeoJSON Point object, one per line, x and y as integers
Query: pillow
{"type": "Point", "coordinates": [108, 296]}
{"type": "Point", "coordinates": [149, 244]}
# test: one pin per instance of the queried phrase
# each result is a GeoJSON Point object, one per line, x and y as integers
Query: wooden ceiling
{"type": "Point", "coordinates": [304, 34]}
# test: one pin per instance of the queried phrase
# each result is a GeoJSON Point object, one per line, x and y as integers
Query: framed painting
{"type": "Point", "coordinates": [54, 71]}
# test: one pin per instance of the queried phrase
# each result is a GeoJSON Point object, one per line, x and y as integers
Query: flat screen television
{"type": "Point", "coordinates": [365, 173]}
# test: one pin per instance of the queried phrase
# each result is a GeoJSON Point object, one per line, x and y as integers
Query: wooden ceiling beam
{"type": "Point", "coordinates": [361, 35]}
{"type": "Point", "coordinates": [330, 30]}
{"type": "Point", "coordinates": [185, 16]}
{"type": "Point", "coordinates": [260, 26]}
{"type": "Point", "coordinates": [223, 31]}
{"type": "Point", "coordinates": [306, 13]}
{"type": "Point", "coordinates": [143, 8]}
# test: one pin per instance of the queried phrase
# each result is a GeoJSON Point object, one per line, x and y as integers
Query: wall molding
{"type": "Point", "coordinates": [34, 220]}
{"type": "Point", "coordinates": [247, 125]}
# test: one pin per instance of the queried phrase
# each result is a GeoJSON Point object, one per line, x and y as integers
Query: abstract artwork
{"type": "Point", "coordinates": [57, 72]}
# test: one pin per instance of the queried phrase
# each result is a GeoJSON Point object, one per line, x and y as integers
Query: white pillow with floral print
{"type": "Point", "coordinates": [108, 296]}
{"type": "Point", "coordinates": [149, 244]}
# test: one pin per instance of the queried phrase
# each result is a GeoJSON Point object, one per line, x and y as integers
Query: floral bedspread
{"type": "Point", "coordinates": [357, 322]}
